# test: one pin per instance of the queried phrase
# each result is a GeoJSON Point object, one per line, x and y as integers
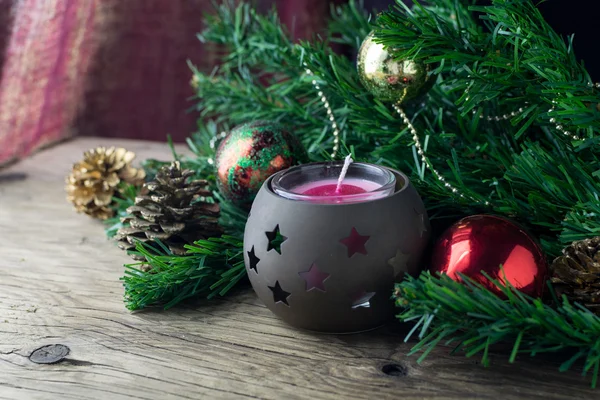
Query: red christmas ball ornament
{"type": "Point", "coordinates": [496, 246]}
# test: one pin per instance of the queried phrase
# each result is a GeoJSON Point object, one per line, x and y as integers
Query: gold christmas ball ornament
{"type": "Point", "coordinates": [94, 180]}
{"type": "Point", "coordinates": [389, 79]}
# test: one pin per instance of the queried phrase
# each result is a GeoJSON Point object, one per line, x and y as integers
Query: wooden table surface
{"type": "Point", "coordinates": [59, 284]}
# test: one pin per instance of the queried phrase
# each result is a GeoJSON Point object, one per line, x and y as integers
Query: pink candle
{"type": "Point", "coordinates": [327, 189]}
{"type": "Point", "coordinates": [335, 183]}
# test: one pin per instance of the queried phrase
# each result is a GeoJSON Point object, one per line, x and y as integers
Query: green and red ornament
{"type": "Point", "coordinates": [495, 246]}
{"type": "Point", "coordinates": [251, 153]}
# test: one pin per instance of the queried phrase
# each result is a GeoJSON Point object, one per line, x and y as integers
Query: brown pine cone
{"type": "Point", "coordinates": [576, 273]}
{"type": "Point", "coordinates": [172, 209]}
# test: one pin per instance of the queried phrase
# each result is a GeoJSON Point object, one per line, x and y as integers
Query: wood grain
{"type": "Point", "coordinates": [59, 284]}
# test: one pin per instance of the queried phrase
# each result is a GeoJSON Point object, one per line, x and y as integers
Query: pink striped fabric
{"type": "Point", "coordinates": [45, 61]}
{"type": "Point", "coordinates": [107, 67]}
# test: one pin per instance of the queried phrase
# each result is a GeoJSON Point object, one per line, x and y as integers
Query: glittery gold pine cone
{"type": "Point", "coordinates": [576, 273]}
{"type": "Point", "coordinates": [94, 180]}
{"type": "Point", "coordinates": [172, 209]}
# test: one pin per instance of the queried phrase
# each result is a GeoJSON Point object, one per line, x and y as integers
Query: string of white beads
{"type": "Point", "coordinates": [213, 143]}
{"type": "Point", "coordinates": [425, 160]}
{"type": "Point", "coordinates": [334, 125]}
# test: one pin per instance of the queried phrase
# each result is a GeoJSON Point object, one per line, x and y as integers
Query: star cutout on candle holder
{"type": "Point", "coordinates": [275, 239]}
{"type": "Point", "coordinates": [362, 299]}
{"type": "Point", "coordinates": [315, 278]}
{"type": "Point", "coordinates": [421, 222]}
{"type": "Point", "coordinates": [253, 260]}
{"type": "Point", "coordinates": [355, 243]}
{"type": "Point", "coordinates": [279, 295]}
{"type": "Point", "coordinates": [399, 262]}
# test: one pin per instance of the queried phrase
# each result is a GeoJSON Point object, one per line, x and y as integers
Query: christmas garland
{"type": "Point", "coordinates": [509, 128]}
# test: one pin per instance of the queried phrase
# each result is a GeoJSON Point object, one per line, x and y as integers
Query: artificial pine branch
{"type": "Point", "coordinates": [262, 77]}
{"type": "Point", "coordinates": [210, 268]}
{"type": "Point", "coordinates": [518, 58]}
{"type": "Point", "coordinates": [349, 24]}
{"type": "Point", "coordinates": [507, 57]}
{"type": "Point", "coordinates": [473, 319]}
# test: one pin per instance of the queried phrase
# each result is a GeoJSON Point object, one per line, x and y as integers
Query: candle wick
{"type": "Point", "coordinates": [347, 163]}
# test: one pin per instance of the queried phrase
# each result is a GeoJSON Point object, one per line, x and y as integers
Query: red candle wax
{"type": "Point", "coordinates": [328, 190]}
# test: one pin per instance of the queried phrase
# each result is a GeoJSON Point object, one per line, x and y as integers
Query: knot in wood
{"type": "Point", "coordinates": [50, 354]}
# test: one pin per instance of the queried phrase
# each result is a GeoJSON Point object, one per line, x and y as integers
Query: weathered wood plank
{"type": "Point", "coordinates": [59, 283]}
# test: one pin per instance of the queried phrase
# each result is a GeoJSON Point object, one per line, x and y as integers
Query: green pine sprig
{"type": "Point", "coordinates": [472, 319]}
{"type": "Point", "coordinates": [210, 268]}
{"type": "Point", "coordinates": [507, 57]}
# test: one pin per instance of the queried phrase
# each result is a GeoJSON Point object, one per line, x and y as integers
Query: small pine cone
{"type": "Point", "coordinates": [93, 181]}
{"type": "Point", "coordinates": [172, 209]}
{"type": "Point", "coordinates": [576, 273]}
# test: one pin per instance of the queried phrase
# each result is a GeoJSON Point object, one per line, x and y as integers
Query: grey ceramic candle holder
{"type": "Point", "coordinates": [332, 267]}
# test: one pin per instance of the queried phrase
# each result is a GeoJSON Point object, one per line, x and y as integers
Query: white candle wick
{"type": "Point", "coordinates": [347, 163]}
